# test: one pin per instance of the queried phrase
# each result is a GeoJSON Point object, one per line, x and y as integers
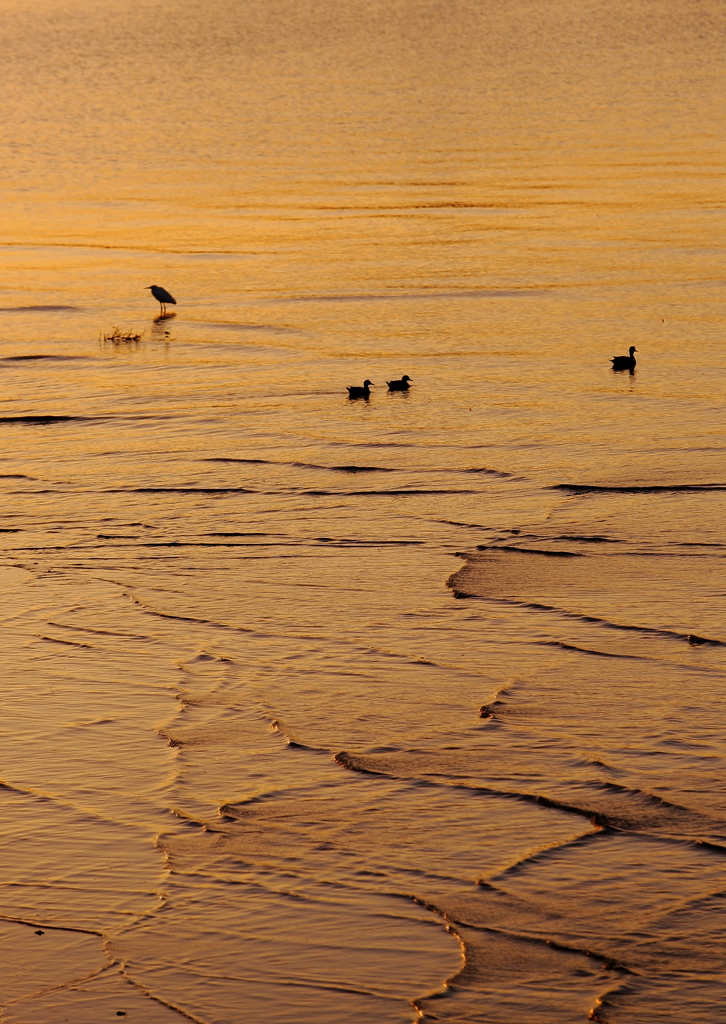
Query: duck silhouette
{"type": "Point", "coordinates": [625, 362]}
{"type": "Point", "coordinates": [399, 385]}
{"type": "Point", "coordinates": [364, 392]}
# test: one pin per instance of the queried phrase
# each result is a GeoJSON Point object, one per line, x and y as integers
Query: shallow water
{"type": "Point", "coordinates": [408, 708]}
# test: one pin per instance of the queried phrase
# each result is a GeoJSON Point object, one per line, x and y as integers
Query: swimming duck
{"type": "Point", "coordinates": [364, 392]}
{"type": "Point", "coordinates": [625, 362]}
{"type": "Point", "coordinates": [399, 385]}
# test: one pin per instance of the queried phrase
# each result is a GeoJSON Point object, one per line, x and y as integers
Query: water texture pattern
{"type": "Point", "coordinates": [394, 709]}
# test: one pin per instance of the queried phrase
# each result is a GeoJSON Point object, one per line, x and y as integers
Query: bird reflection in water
{"type": "Point", "coordinates": [159, 331]}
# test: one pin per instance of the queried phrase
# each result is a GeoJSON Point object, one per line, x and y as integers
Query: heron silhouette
{"type": "Point", "coordinates": [162, 296]}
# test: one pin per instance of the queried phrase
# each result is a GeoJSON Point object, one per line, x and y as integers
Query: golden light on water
{"type": "Point", "coordinates": [244, 769]}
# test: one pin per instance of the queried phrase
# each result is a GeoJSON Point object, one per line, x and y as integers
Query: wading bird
{"type": "Point", "coordinates": [363, 392]}
{"type": "Point", "coordinates": [162, 296]}
{"type": "Point", "coordinates": [625, 362]}
{"type": "Point", "coordinates": [399, 385]}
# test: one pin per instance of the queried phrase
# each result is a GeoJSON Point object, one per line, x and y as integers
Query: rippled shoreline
{"type": "Point", "coordinates": [396, 708]}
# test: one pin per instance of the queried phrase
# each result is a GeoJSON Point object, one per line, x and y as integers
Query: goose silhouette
{"type": "Point", "coordinates": [399, 385]}
{"type": "Point", "coordinates": [364, 392]}
{"type": "Point", "coordinates": [625, 362]}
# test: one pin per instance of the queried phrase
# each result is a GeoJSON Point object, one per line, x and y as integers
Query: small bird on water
{"type": "Point", "coordinates": [162, 296]}
{"type": "Point", "coordinates": [625, 362]}
{"type": "Point", "coordinates": [399, 385]}
{"type": "Point", "coordinates": [364, 392]}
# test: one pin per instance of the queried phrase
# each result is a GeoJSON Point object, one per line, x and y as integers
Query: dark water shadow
{"type": "Point", "coordinates": [40, 309]}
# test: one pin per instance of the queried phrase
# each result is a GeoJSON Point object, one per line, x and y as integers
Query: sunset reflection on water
{"type": "Point", "coordinates": [246, 771]}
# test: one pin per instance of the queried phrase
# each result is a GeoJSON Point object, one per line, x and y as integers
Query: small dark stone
{"type": "Point", "coordinates": [40, 932]}
{"type": "Point", "coordinates": [120, 1013]}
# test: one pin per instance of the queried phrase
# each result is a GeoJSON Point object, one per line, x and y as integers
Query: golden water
{"type": "Point", "coordinates": [259, 762]}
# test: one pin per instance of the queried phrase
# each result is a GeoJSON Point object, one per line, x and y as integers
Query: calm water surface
{"type": "Point", "coordinates": [410, 708]}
